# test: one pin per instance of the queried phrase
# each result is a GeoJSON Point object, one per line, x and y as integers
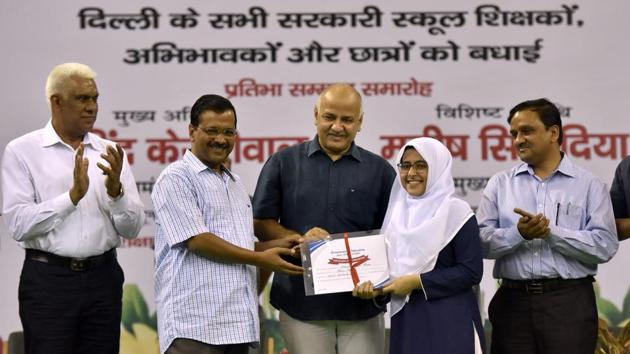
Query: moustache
{"type": "Point", "coordinates": [216, 145]}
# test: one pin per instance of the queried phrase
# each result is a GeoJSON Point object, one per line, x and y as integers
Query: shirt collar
{"type": "Point", "coordinates": [50, 137]}
{"type": "Point", "coordinates": [566, 167]}
{"type": "Point", "coordinates": [199, 166]}
{"type": "Point", "coordinates": [313, 147]}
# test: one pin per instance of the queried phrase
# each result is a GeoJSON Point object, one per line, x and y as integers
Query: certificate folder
{"type": "Point", "coordinates": [328, 263]}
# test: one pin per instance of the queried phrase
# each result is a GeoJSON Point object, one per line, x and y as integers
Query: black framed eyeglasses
{"type": "Point", "coordinates": [418, 166]}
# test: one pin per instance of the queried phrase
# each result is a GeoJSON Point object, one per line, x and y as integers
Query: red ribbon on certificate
{"type": "Point", "coordinates": [353, 271]}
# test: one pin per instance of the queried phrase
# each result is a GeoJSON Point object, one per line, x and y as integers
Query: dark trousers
{"type": "Point", "coordinates": [65, 311]}
{"type": "Point", "coordinates": [556, 322]}
{"type": "Point", "coordinates": [189, 346]}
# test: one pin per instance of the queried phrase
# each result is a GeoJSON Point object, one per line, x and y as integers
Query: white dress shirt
{"type": "Point", "coordinates": [36, 177]}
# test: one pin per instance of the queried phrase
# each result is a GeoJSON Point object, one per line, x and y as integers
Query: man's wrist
{"type": "Point", "coordinates": [521, 235]}
{"type": "Point", "coordinates": [257, 259]}
{"type": "Point", "coordinates": [118, 192]}
{"type": "Point", "coordinates": [73, 197]}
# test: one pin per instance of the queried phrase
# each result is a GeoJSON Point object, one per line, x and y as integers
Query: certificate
{"type": "Point", "coordinates": [338, 263]}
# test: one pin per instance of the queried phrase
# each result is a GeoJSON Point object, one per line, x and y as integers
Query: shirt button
{"type": "Point", "coordinates": [331, 209]}
{"type": "Point", "coordinates": [535, 253]}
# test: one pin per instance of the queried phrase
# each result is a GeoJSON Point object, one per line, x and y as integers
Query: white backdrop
{"type": "Point", "coordinates": [457, 67]}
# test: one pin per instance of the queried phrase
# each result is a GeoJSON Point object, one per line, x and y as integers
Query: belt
{"type": "Point", "coordinates": [541, 286]}
{"type": "Point", "coordinates": [75, 264]}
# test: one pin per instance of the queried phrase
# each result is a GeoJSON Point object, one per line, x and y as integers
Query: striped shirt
{"type": "Point", "coordinates": [197, 298]}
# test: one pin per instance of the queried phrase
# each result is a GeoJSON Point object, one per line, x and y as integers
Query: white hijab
{"type": "Point", "coordinates": [417, 228]}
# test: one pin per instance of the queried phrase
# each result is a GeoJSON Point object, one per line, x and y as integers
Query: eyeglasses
{"type": "Point", "coordinates": [418, 166]}
{"type": "Point", "coordinates": [213, 132]}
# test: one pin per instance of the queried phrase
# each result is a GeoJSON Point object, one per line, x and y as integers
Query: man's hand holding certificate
{"type": "Point", "coordinates": [342, 261]}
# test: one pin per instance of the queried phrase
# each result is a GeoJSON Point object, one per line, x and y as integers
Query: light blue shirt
{"type": "Point", "coordinates": [580, 215]}
{"type": "Point", "coordinates": [211, 302]}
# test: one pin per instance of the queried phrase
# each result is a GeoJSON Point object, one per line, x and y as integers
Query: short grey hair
{"type": "Point", "coordinates": [60, 74]}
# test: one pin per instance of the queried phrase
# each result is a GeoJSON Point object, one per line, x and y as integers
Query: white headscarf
{"type": "Point", "coordinates": [418, 228]}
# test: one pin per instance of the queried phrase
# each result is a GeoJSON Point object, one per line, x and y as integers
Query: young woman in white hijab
{"type": "Point", "coordinates": [434, 255]}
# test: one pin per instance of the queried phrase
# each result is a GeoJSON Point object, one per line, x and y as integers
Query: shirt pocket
{"type": "Point", "coordinates": [571, 215]}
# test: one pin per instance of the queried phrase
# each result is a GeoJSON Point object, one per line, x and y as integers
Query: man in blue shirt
{"type": "Point", "coordinates": [548, 223]}
{"type": "Point", "coordinates": [326, 185]}
{"type": "Point", "coordinates": [205, 284]}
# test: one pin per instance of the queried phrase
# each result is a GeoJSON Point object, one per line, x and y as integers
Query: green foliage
{"type": "Point", "coordinates": [610, 313]}
{"type": "Point", "coordinates": [614, 325]}
{"type": "Point", "coordinates": [609, 343]}
{"type": "Point", "coordinates": [626, 306]}
{"type": "Point", "coordinates": [153, 321]}
{"type": "Point", "coordinates": [135, 310]}
{"type": "Point", "coordinates": [271, 329]}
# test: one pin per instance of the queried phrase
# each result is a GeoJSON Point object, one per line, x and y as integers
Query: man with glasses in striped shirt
{"type": "Point", "coordinates": [205, 284]}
